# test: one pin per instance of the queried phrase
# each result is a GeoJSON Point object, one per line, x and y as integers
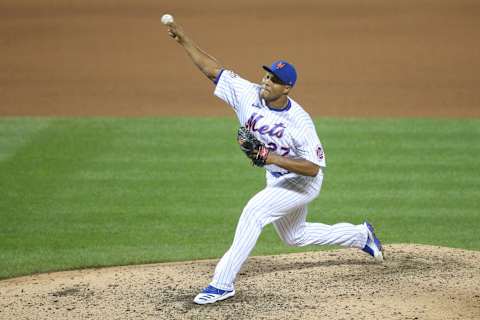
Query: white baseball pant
{"type": "Point", "coordinates": [285, 205]}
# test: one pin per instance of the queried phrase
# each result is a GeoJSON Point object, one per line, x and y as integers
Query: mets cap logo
{"type": "Point", "coordinates": [280, 65]}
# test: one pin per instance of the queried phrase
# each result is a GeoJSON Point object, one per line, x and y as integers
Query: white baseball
{"type": "Point", "coordinates": [167, 19]}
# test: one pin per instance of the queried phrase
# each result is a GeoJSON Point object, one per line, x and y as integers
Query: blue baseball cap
{"type": "Point", "coordinates": [284, 71]}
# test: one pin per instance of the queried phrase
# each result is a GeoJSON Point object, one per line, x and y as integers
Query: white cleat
{"type": "Point", "coordinates": [211, 295]}
{"type": "Point", "coordinates": [374, 246]}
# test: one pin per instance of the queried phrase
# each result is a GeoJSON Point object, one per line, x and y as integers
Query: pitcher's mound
{"type": "Point", "coordinates": [415, 282]}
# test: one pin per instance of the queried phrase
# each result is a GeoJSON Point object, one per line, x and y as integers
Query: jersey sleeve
{"type": "Point", "coordinates": [309, 146]}
{"type": "Point", "coordinates": [232, 89]}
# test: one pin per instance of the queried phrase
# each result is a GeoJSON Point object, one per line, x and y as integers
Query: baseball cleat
{"type": "Point", "coordinates": [373, 246]}
{"type": "Point", "coordinates": [211, 295]}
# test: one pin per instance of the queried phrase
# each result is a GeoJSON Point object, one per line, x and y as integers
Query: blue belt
{"type": "Point", "coordinates": [277, 174]}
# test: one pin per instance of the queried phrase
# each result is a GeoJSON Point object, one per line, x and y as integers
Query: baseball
{"type": "Point", "coordinates": [167, 19]}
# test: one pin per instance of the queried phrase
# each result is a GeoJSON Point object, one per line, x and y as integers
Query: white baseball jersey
{"type": "Point", "coordinates": [288, 132]}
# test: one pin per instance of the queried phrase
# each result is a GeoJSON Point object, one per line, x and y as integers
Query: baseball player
{"type": "Point", "coordinates": [280, 136]}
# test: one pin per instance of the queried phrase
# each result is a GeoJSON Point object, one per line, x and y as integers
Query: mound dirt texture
{"type": "Point", "coordinates": [415, 282]}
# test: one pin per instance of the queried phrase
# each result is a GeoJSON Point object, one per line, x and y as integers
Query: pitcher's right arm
{"type": "Point", "coordinates": [205, 62]}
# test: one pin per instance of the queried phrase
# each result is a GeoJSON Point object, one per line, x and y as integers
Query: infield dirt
{"type": "Point", "coordinates": [355, 58]}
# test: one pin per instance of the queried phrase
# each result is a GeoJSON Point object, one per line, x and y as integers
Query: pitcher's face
{"type": "Point", "coordinates": [272, 87]}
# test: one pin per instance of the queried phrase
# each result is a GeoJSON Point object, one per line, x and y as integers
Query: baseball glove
{"type": "Point", "coordinates": [252, 147]}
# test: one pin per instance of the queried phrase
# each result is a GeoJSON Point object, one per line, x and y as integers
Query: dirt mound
{"type": "Point", "coordinates": [416, 282]}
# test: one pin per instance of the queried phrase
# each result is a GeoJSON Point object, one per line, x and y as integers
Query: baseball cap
{"type": "Point", "coordinates": [284, 71]}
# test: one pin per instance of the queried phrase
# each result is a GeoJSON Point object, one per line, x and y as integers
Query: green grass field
{"type": "Point", "coordinates": [111, 191]}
